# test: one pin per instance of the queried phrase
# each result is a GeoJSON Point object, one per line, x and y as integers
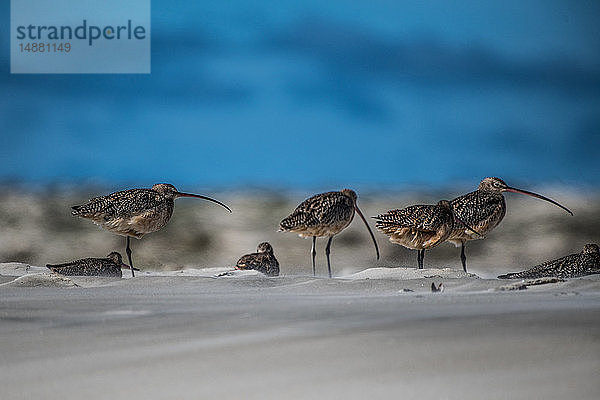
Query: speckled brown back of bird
{"type": "Point", "coordinates": [572, 266]}
{"type": "Point", "coordinates": [109, 266]}
{"type": "Point", "coordinates": [263, 260]}
{"type": "Point", "coordinates": [417, 227]}
{"type": "Point", "coordinates": [325, 214]}
{"type": "Point", "coordinates": [133, 212]}
{"type": "Point", "coordinates": [482, 210]}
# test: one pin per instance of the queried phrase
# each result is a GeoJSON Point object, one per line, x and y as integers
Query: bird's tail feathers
{"type": "Point", "coordinates": [76, 210]}
{"type": "Point", "coordinates": [387, 226]}
{"type": "Point", "coordinates": [512, 275]}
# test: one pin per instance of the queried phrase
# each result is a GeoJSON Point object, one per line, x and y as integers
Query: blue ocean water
{"type": "Point", "coordinates": [316, 93]}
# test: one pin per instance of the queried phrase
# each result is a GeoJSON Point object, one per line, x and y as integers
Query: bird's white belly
{"type": "Point", "coordinates": [322, 230]}
{"type": "Point", "coordinates": [136, 226]}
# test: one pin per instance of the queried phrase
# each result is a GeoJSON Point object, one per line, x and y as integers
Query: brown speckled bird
{"type": "Point", "coordinates": [262, 261]}
{"type": "Point", "coordinates": [419, 227]}
{"type": "Point", "coordinates": [483, 210]}
{"type": "Point", "coordinates": [572, 266]}
{"type": "Point", "coordinates": [109, 266]}
{"type": "Point", "coordinates": [325, 214]}
{"type": "Point", "coordinates": [135, 212]}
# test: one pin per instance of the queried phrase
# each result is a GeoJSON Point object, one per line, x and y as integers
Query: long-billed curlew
{"type": "Point", "coordinates": [325, 214]}
{"type": "Point", "coordinates": [572, 266]}
{"type": "Point", "coordinates": [483, 210]}
{"type": "Point", "coordinates": [109, 266]}
{"type": "Point", "coordinates": [135, 212]}
{"type": "Point", "coordinates": [419, 227]}
{"type": "Point", "coordinates": [262, 261]}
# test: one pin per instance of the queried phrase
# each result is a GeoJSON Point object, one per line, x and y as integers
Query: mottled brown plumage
{"type": "Point", "coordinates": [135, 212]}
{"type": "Point", "coordinates": [325, 214]}
{"type": "Point", "coordinates": [419, 227]}
{"type": "Point", "coordinates": [572, 266]}
{"type": "Point", "coordinates": [109, 266]}
{"type": "Point", "coordinates": [263, 260]}
{"type": "Point", "coordinates": [483, 210]}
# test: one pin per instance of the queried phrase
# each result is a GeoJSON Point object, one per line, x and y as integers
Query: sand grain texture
{"type": "Point", "coordinates": [191, 335]}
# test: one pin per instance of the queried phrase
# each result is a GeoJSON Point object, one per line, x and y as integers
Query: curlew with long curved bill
{"type": "Point", "coordinates": [135, 212]}
{"type": "Point", "coordinates": [419, 227]}
{"type": "Point", "coordinates": [483, 209]}
{"type": "Point", "coordinates": [325, 215]}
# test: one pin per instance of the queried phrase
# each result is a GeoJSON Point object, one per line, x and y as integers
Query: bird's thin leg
{"type": "Point", "coordinates": [128, 251]}
{"type": "Point", "coordinates": [327, 251]}
{"type": "Point", "coordinates": [313, 252]}
{"type": "Point", "coordinates": [463, 257]}
{"type": "Point", "coordinates": [420, 257]}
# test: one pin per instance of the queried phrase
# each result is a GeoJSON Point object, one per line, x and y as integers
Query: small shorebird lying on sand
{"type": "Point", "coordinates": [262, 261]}
{"type": "Point", "coordinates": [109, 266]}
{"type": "Point", "coordinates": [325, 214]}
{"type": "Point", "coordinates": [572, 266]}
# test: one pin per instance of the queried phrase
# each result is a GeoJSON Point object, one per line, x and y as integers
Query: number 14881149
{"type": "Point", "coordinates": [45, 47]}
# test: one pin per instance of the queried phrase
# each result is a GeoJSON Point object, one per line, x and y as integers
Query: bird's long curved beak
{"type": "Point", "coordinates": [369, 228]}
{"type": "Point", "coordinates": [179, 194]}
{"type": "Point", "coordinates": [539, 196]}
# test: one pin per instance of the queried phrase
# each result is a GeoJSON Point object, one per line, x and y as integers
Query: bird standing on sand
{"type": "Point", "coordinates": [109, 266]}
{"type": "Point", "coordinates": [572, 266]}
{"type": "Point", "coordinates": [135, 212]}
{"type": "Point", "coordinates": [419, 227]}
{"type": "Point", "coordinates": [325, 214]}
{"type": "Point", "coordinates": [262, 261]}
{"type": "Point", "coordinates": [483, 210]}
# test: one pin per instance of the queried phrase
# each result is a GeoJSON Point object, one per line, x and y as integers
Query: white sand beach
{"type": "Point", "coordinates": [379, 333]}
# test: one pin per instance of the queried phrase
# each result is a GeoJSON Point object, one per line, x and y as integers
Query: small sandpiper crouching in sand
{"type": "Point", "coordinates": [262, 261]}
{"type": "Point", "coordinates": [482, 210]}
{"type": "Point", "coordinates": [325, 214]}
{"type": "Point", "coordinates": [419, 227]}
{"type": "Point", "coordinates": [109, 266]}
{"type": "Point", "coordinates": [572, 266]}
{"type": "Point", "coordinates": [135, 212]}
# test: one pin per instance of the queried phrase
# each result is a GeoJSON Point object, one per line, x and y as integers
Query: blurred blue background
{"type": "Point", "coordinates": [323, 93]}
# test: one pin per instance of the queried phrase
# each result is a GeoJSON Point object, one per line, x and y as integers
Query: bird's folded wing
{"type": "Point", "coordinates": [408, 218]}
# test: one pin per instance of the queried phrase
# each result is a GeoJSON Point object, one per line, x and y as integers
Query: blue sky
{"type": "Point", "coordinates": [314, 93]}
